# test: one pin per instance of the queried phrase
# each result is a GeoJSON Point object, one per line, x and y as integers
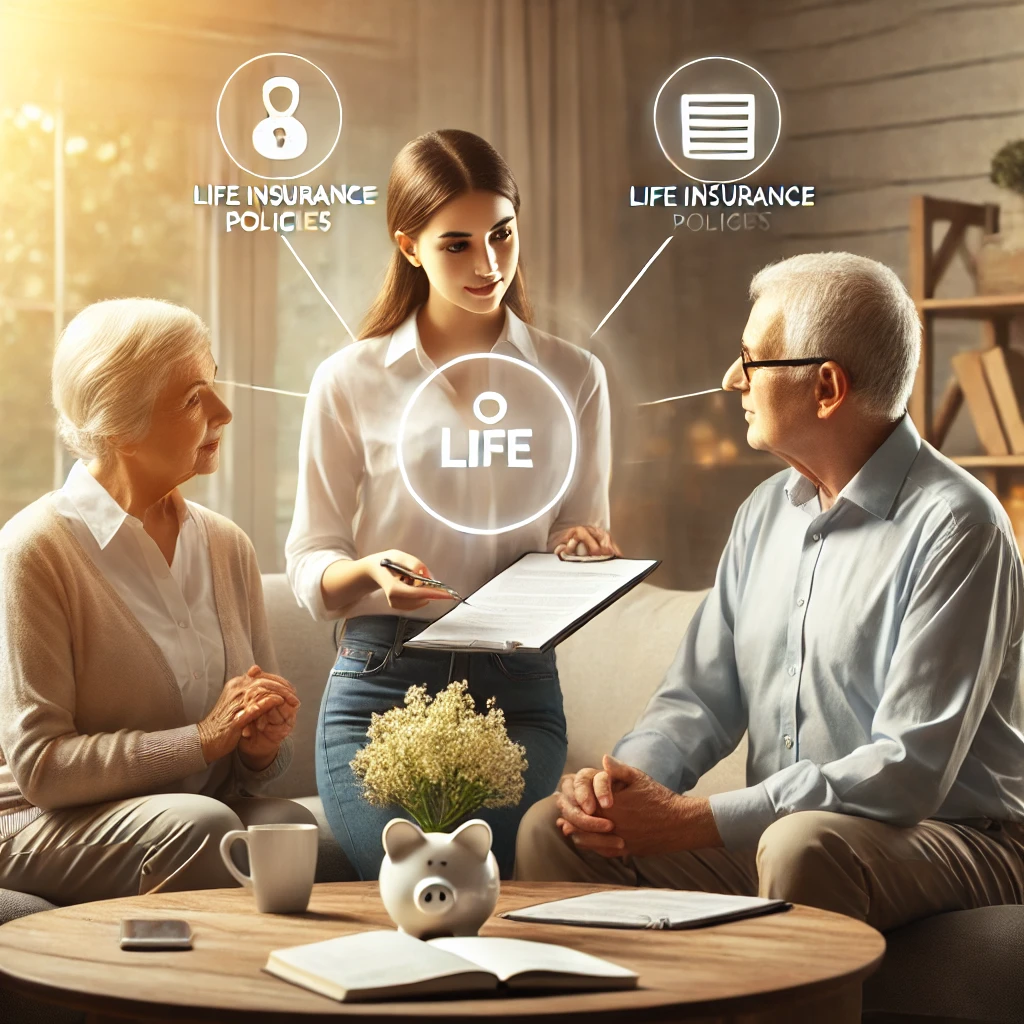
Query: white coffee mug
{"type": "Point", "coordinates": [282, 862]}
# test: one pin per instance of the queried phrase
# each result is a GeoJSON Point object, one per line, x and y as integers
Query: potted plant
{"type": "Point", "coordinates": [440, 761]}
{"type": "Point", "coordinates": [1001, 257]}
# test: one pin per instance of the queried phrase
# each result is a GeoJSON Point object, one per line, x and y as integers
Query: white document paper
{"type": "Point", "coordinates": [530, 603]}
{"type": "Point", "coordinates": [647, 908]}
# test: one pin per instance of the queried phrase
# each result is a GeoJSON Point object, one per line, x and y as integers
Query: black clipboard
{"type": "Point", "coordinates": [511, 646]}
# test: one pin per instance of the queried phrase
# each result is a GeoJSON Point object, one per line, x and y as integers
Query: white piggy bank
{"type": "Point", "coordinates": [438, 883]}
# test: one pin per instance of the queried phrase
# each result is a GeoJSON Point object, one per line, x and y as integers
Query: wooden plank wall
{"type": "Point", "coordinates": [884, 100]}
{"type": "Point", "coordinates": [675, 331]}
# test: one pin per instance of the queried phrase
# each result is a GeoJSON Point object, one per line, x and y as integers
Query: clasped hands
{"type": "Point", "coordinates": [619, 811]}
{"type": "Point", "coordinates": [254, 713]}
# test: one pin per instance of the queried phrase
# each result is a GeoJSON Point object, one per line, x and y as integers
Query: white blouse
{"type": "Point", "coordinates": [175, 604]}
{"type": "Point", "coordinates": [352, 500]}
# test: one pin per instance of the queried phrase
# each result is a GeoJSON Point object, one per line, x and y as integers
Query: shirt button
{"type": "Point", "coordinates": [788, 740]}
{"type": "Point", "coordinates": [792, 670]}
{"type": "Point", "coordinates": [195, 675]}
{"type": "Point", "coordinates": [800, 602]}
{"type": "Point", "coordinates": [817, 536]}
{"type": "Point", "coordinates": [183, 624]}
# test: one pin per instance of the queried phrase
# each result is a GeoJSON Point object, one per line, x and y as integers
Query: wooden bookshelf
{"type": "Point", "coordinates": [929, 262]}
{"type": "Point", "coordinates": [975, 307]}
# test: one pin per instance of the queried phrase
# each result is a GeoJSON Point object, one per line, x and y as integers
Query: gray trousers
{"type": "Point", "coordinates": [882, 874]}
{"type": "Point", "coordinates": [130, 847]}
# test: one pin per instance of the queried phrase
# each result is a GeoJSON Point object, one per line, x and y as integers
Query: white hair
{"type": "Point", "coordinates": [854, 310]}
{"type": "Point", "coordinates": [111, 363]}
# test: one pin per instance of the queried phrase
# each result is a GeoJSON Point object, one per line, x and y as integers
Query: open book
{"type": "Point", "coordinates": [647, 908]}
{"type": "Point", "coordinates": [534, 604]}
{"type": "Point", "coordinates": [385, 965]}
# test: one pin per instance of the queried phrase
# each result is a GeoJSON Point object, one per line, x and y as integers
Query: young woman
{"type": "Point", "coordinates": [453, 287]}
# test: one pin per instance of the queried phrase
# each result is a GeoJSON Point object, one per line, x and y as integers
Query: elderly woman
{"type": "Point", "coordinates": [139, 712]}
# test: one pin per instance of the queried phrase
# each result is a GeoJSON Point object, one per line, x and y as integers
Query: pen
{"type": "Point", "coordinates": [401, 570]}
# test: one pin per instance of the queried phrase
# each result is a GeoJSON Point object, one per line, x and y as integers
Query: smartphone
{"type": "Point", "coordinates": [166, 934]}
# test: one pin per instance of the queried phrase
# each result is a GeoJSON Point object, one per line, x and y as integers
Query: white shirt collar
{"type": "Point", "coordinates": [98, 510]}
{"type": "Point", "coordinates": [406, 338]}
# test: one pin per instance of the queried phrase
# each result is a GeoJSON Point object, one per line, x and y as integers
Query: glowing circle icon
{"type": "Point", "coordinates": [717, 119]}
{"type": "Point", "coordinates": [502, 470]}
{"type": "Point", "coordinates": [490, 396]}
{"type": "Point", "coordinates": [279, 116]}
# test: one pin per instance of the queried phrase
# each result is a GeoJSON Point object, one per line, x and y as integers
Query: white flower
{"type": "Point", "coordinates": [439, 759]}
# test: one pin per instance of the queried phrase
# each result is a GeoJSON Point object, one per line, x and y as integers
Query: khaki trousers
{"type": "Point", "coordinates": [882, 874]}
{"type": "Point", "coordinates": [130, 847]}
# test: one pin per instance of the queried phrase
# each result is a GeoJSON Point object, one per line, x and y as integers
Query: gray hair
{"type": "Point", "coordinates": [111, 363]}
{"type": "Point", "coordinates": [854, 310]}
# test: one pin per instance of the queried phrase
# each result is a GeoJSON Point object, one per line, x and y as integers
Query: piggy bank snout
{"type": "Point", "coordinates": [434, 896]}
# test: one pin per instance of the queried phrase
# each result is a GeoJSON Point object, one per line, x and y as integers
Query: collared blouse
{"type": "Point", "coordinates": [352, 500]}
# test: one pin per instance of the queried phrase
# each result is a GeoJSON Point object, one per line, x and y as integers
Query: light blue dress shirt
{"type": "Point", "coordinates": [872, 652]}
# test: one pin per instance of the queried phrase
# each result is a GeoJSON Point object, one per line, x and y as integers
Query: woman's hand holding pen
{"type": "Point", "coordinates": [595, 541]}
{"type": "Point", "coordinates": [403, 593]}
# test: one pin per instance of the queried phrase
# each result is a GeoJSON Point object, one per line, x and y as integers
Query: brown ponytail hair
{"type": "Point", "coordinates": [429, 172]}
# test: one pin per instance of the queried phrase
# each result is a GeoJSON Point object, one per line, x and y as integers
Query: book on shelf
{"type": "Point", "coordinates": [387, 965]}
{"type": "Point", "coordinates": [1004, 371]}
{"type": "Point", "coordinates": [970, 374]}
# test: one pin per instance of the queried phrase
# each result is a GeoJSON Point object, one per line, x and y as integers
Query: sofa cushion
{"type": "Point", "coordinates": [612, 667]}
{"type": "Point", "coordinates": [331, 863]}
{"type": "Point", "coordinates": [967, 965]}
{"type": "Point", "coordinates": [305, 655]}
{"type": "Point", "coordinates": [20, 904]}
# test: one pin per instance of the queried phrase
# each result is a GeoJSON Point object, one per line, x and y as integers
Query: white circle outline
{"type": "Point", "coordinates": [270, 177]}
{"type": "Point", "coordinates": [405, 419]}
{"type": "Point", "coordinates": [490, 396]}
{"type": "Point", "coordinates": [716, 181]}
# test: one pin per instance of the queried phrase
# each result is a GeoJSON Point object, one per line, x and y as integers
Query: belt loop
{"type": "Point", "coordinates": [399, 645]}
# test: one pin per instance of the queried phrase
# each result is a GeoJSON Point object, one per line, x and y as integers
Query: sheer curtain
{"type": "Point", "coordinates": [554, 104]}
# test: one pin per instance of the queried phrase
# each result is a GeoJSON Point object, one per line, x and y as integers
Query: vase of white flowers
{"type": "Point", "coordinates": [439, 761]}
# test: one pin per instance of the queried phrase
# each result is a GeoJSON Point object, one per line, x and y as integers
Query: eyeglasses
{"type": "Point", "coordinates": [750, 364]}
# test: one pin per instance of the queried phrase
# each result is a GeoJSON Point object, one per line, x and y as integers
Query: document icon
{"type": "Point", "coordinates": [718, 125]}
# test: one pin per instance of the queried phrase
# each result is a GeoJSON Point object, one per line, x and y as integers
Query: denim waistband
{"type": "Point", "coordinates": [392, 630]}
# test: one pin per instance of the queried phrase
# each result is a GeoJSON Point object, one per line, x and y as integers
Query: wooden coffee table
{"type": "Point", "coordinates": [799, 965]}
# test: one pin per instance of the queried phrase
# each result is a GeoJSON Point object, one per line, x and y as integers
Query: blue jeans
{"type": "Point", "coordinates": [373, 672]}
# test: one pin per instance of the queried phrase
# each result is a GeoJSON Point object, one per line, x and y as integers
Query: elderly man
{"type": "Point", "coordinates": [864, 629]}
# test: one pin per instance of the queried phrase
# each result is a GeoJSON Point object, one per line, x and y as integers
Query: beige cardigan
{"type": "Point", "coordinates": [89, 708]}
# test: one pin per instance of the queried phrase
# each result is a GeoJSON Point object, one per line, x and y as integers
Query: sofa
{"type": "Point", "coordinates": [961, 966]}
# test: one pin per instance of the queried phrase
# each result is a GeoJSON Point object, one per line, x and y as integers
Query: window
{"type": "Point", "coordinates": [92, 206]}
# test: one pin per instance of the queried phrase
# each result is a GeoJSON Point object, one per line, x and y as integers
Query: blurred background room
{"type": "Point", "coordinates": [107, 122]}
